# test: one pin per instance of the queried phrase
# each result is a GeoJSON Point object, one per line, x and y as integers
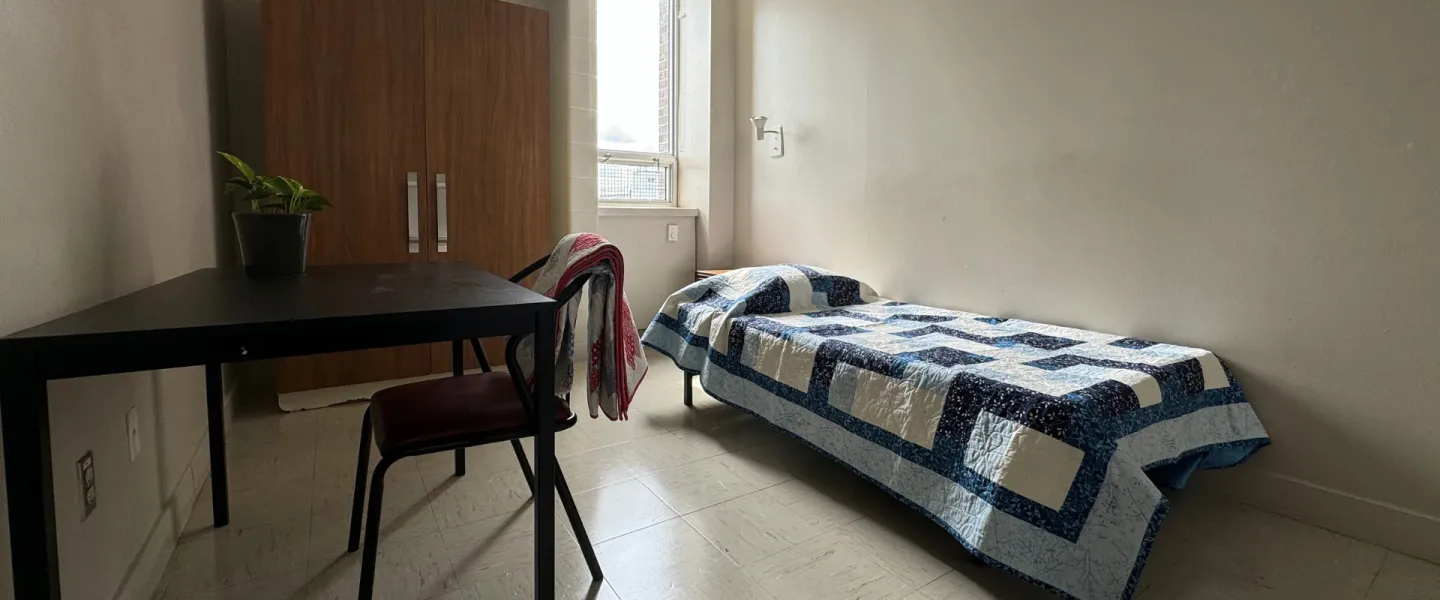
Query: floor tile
{"type": "Point", "coordinates": [335, 455]}
{"type": "Point", "coordinates": [1406, 578]}
{"type": "Point", "coordinates": [812, 530]}
{"type": "Point", "coordinates": [256, 425]}
{"type": "Point", "coordinates": [261, 465]}
{"type": "Point", "coordinates": [728, 430]}
{"type": "Point", "coordinates": [595, 468]}
{"type": "Point", "coordinates": [768, 464]}
{"type": "Point", "coordinates": [406, 510]}
{"type": "Point", "coordinates": [826, 568]}
{"type": "Point", "coordinates": [499, 545]}
{"type": "Point", "coordinates": [413, 569]}
{"type": "Point", "coordinates": [477, 496]}
{"type": "Point", "coordinates": [341, 421]}
{"type": "Point", "coordinates": [653, 563]}
{"type": "Point", "coordinates": [726, 586]}
{"type": "Point", "coordinates": [478, 459]}
{"type": "Point", "coordinates": [659, 403]}
{"type": "Point", "coordinates": [335, 488]}
{"type": "Point", "coordinates": [691, 487]}
{"type": "Point", "coordinates": [287, 585]}
{"type": "Point", "coordinates": [825, 508]}
{"type": "Point", "coordinates": [1278, 553]}
{"type": "Point", "coordinates": [274, 502]}
{"type": "Point", "coordinates": [975, 583]}
{"type": "Point", "coordinates": [215, 559]}
{"type": "Point", "coordinates": [572, 582]}
{"type": "Point", "coordinates": [618, 509]}
{"type": "Point", "coordinates": [752, 527]}
{"type": "Point", "coordinates": [1190, 515]}
{"type": "Point", "coordinates": [570, 441]}
{"type": "Point", "coordinates": [1216, 585]}
{"type": "Point", "coordinates": [465, 593]}
{"type": "Point", "coordinates": [917, 552]}
{"type": "Point", "coordinates": [604, 432]}
{"type": "Point", "coordinates": [659, 452]}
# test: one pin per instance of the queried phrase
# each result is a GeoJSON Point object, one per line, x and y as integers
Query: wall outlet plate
{"type": "Point", "coordinates": [672, 233]}
{"type": "Point", "coordinates": [85, 472]}
{"type": "Point", "coordinates": [132, 431]}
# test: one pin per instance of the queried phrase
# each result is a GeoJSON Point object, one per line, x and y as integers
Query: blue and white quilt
{"type": "Point", "coordinates": [1037, 447]}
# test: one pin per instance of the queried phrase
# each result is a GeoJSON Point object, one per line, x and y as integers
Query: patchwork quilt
{"type": "Point", "coordinates": [1038, 447]}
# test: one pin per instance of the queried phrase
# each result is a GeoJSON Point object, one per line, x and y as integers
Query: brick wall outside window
{"type": "Point", "coordinates": [666, 39]}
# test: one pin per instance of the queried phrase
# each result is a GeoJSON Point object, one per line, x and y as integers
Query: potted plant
{"type": "Point", "coordinates": [274, 233]}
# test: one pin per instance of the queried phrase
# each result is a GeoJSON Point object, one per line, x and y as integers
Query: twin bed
{"type": "Point", "coordinates": [1039, 448]}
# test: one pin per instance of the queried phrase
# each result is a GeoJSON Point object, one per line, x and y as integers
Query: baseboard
{"type": "Point", "coordinates": [148, 567]}
{"type": "Point", "coordinates": [1394, 527]}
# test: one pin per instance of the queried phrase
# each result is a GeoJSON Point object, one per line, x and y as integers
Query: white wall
{"type": "Point", "coordinates": [110, 113]}
{"type": "Point", "coordinates": [705, 102]}
{"type": "Point", "coordinates": [1257, 178]}
{"type": "Point", "coordinates": [654, 268]}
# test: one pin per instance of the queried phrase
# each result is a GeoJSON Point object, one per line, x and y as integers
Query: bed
{"type": "Point", "coordinates": [1040, 448]}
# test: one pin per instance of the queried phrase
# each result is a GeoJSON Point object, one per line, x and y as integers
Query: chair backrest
{"type": "Point", "coordinates": [513, 344]}
{"type": "Point", "coordinates": [566, 294]}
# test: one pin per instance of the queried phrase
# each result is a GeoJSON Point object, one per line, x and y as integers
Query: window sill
{"type": "Point", "coordinates": [647, 211]}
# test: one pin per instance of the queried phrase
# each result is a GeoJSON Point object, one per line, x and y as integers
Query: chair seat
{"type": "Point", "coordinates": [468, 410]}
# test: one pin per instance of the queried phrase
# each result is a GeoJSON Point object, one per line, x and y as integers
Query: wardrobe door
{"type": "Point", "coordinates": [487, 66]}
{"type": "Point", "coordinates": [345, 114]}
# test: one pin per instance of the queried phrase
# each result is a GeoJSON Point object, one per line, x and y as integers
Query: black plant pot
{"type": "Point", "coordinates": [272, 244]}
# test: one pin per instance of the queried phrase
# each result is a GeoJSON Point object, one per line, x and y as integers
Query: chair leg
{"type": "Point", "coordinates": [524, 464]}
{"type": "Point", "coordinates": [574, 514]}
{"type": "Point", "coordinates": [568, 502]}
{"type": "Point", "coordinates": [362, 468]}
{"type": "Point", "coordinates": [372, 530]}
{"type": "Point", "coordinates": [689, 390]}
{"type": "Point", "coordinates": [460, 462]}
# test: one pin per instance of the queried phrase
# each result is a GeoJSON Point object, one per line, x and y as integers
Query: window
{"type": "Point", "coordinates": [635, 121]}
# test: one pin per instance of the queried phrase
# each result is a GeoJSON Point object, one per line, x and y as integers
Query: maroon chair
{"type": "Point", "coordinates": [455, 413]}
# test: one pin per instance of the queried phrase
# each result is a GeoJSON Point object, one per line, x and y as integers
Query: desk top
{"type": "Point", "coordinates": [225, 297]}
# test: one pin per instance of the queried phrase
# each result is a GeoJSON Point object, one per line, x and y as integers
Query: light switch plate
{"type": "Point", "coordinates": [132, 431]}
{"type": "Point", "coordinates": [672, 233]}
{"type": "Point", "coordinates": [85, 473]}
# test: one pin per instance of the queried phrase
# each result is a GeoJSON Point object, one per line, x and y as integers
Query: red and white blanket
{"type": "Point", "coordinates": [617, 364]}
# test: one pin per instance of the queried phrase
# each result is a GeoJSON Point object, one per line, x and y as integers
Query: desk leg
{"type": "Point", "coordinates": [25, 416]}
{"type": "Point", "coordinates": [219, 477]}
{"type": "Point", "coordinates": [545, 455]}
{"type": "Point", "coordinates": [457, 368]}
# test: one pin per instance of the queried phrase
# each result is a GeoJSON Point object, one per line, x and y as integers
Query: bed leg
{"type": "Point", "coordinates": [689, 390]}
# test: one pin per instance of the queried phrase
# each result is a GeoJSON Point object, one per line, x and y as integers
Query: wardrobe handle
{"type": "Point", "coordinates": [442, 217]}
{"type": "Point", "coordinates": [412, 193]}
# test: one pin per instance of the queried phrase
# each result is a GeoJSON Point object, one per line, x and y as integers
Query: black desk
{"type": "Point", "coordinates": [215, 316]}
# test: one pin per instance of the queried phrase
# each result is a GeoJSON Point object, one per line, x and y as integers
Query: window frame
{"type": "Point", "coordinates": [666, 160]}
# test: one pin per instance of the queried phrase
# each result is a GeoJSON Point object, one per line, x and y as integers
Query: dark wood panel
{"type": "Point", "coordinates": [345, 114]}
{"type": "Point", "coordinates": [487, 67]}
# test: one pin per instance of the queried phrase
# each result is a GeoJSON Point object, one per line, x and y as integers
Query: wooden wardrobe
{"type": "Point", "coordinates": [427, 123]}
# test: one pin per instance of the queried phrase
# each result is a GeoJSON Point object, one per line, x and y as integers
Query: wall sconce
{"type": "Point", "coordinates": [777, 149]}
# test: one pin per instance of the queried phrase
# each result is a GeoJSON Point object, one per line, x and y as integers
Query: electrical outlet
{"type": "Point", "coordinates": [672, 233]}
{"type": "Point", "coordinates": [132, 430]}
{"type": "Point", "coordinates": [85, 471]}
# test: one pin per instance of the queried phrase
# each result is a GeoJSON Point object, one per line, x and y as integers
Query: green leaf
{"type": "Point", "coordinates": [258, 193]}
{"type": "Point", "coordinates": [297, 189]}
{"type": "Point", "coordinates": [277, 185]}
{"type": "Point", "coordinates": [316, 202]}
{"type": "Point", "coordinates": [240, 166]}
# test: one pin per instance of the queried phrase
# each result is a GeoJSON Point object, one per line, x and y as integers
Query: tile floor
{"type": "Point", "coordinates": [693, 504]}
